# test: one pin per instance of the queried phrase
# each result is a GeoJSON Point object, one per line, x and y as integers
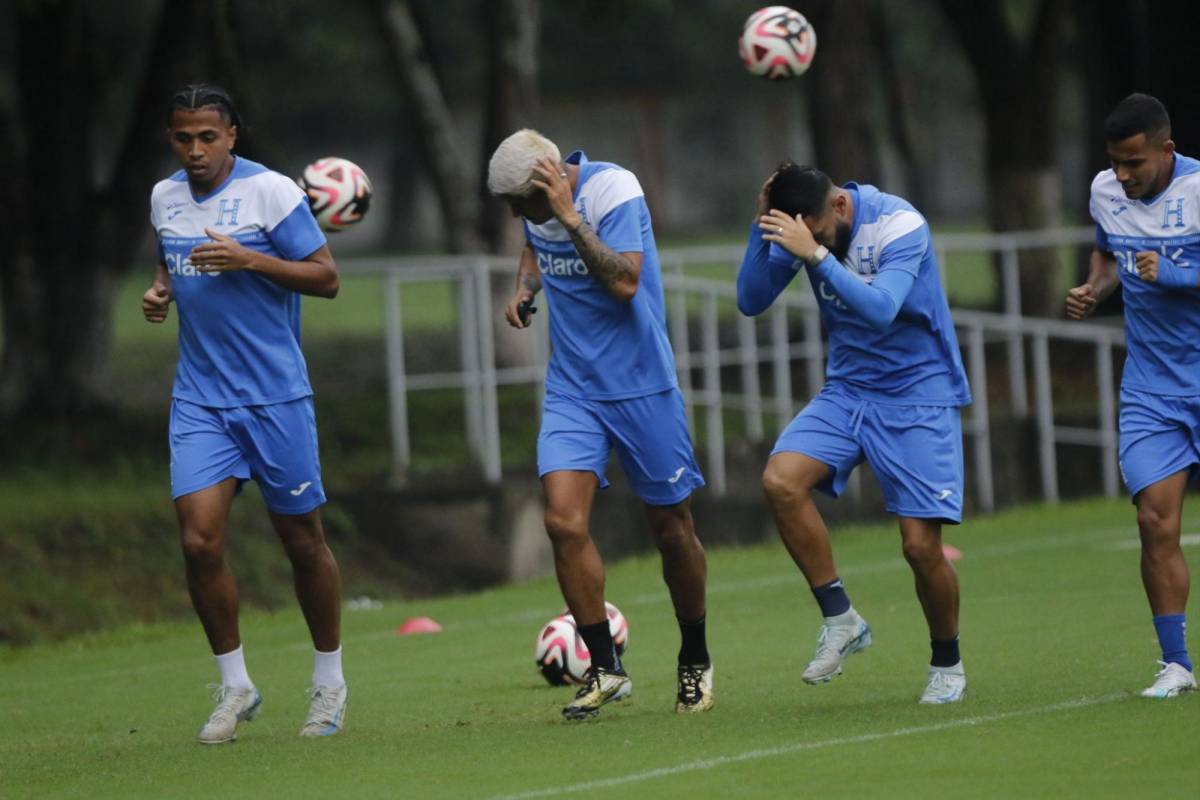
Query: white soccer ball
{"type": "Point", "coordinates": [562, 656]}
{"type": "Point", "coordinates": [338, 190]}
{"type": "Point", "coordinates": [777, 42]}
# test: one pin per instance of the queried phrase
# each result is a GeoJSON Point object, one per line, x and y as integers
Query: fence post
{"type": "Point", "coordinates": [781, 366]}
{"type": "Point", "coordinates": [488, 399]}
{"type": "Point", "coordinates": [1045, 417]}
{"type": "Point", "coordinates": [1108, 417]}
{"type": "Point", "coordinates": [397, 379]}
{"type": "Point", "coordinates": [1018, 390]}
{"type": "Point", "coordinates": [814, 351]}
{"type": "Point", "coordinates": [683, 353]}
{"type": "Point", "coordinates": [751, 390]}
{"type": "Point", "coordinates": [980, 426]}
{"type": "Point", "coordinates": [468, 323]}
{"type": "Point", "coordinates": [715, 422]}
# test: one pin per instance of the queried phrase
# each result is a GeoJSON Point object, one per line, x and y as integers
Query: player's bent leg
{"type": "Point", "coordinates": [937, 589]}
{"type": "Point", "coordinates": [788, 482]}
{"type": "Point", "coordinates": [685, 572]}
{"type": "Point", "coordinates": [1167, 582]}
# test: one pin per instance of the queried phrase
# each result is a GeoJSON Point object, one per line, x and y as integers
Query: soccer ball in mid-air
{"type": "Point", "coordinates": [777, 43]}
{"type": "Point", "coordinates": [338, 190]}
{"type": "Point", "coordinates": [561, 654]}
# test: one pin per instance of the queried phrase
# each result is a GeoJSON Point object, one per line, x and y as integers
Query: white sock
{"type": "Point", "coordinates": [845, 618]}
{"type": "Point", "coordinates": [233, 669]}
{"type": "Point", "coordinates": [327, 669]}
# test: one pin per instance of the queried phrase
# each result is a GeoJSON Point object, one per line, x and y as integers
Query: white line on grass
{"type": "Point", "coordinates": [1186, 540]}
{"type": "Point", "coordinates": [771, 752]}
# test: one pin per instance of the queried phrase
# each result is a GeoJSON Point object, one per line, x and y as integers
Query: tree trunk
{"type": "Point", "coordinates": [439, 138]}
{"type": "Point", "coordinates": [842, 103]}
{"type": "Point", "coordinates": [60, 270]}
{"type": "Point", "coordinates": [514, 27]}
{"type": "Point", "coordinates": [1018, 82]}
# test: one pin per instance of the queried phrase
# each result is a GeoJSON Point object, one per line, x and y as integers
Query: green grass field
{"type": "Point", "coordinates": [1056, 639]}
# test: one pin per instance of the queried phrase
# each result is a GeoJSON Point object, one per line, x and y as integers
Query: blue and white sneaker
{"type": "Point", "coordinates": [847, 636]}
{"type": "Point", "coordinates": [326, 710]}
{"type": "Point", "coordinates": [946, 685]}
{"type": "Point", "coordinates": [234, 705]}
{"type": "Point", "coordinates": [1173, 680]}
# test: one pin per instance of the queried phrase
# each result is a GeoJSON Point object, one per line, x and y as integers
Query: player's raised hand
{"type": "Point", "coordinates": [156, 302]}
{"type": "Point", "coordinates": [551, 177]}
{"type": "Point", "coordinates": [1081, 301]}
{"type": "Point", "coordinates": [222, 254]}
{"type": "Point", "coordinates": [520, 309]}
{"type": "Point", "coordinates": [791, 233]}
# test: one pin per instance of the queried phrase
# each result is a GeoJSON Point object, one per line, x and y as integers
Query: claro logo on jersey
{"type": "Point", "coordinates": [180, 264]}
{"type": "Point", "coordinates": [562, 266]}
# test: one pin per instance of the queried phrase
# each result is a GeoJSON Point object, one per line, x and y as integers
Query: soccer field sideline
{"type": "Point", "coordinates": [1052, 710]}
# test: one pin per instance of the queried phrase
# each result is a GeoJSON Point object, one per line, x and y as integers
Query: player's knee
{"type": "Point", "coordinates": [780, 486]}
{"type": "Point", "coordinates": [1154, 523]}
{"type": "Point", "coordinates": [202, 546]}
{"type": "Point", "coordinates": [922, 552]}
{"type": "Point", "coordinates": [303, 545]}
{"type": "Point", "coordinates": [672, 527]}
{"type": "Point", "coordinates": [565, 526]}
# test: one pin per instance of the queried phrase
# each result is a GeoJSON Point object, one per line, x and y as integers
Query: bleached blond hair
{"type": "Point", "coordinates": [511, 169]}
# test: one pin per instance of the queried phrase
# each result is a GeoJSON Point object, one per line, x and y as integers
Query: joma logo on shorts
{"type": "Point", "coordinates": [555, 265]}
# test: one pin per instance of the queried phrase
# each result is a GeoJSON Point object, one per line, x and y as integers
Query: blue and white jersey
{"type": "Point", "coordinates": [915, 360]}
{"type": "Point", "coordinates": [1162, 325]}
{"type": "Point", "coordinates": [604, 349]}
{"type": "Point", "coordinates": [239, 333]}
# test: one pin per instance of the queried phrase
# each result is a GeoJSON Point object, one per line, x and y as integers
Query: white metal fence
{"type": "Point", "coordinates": [724, 369]}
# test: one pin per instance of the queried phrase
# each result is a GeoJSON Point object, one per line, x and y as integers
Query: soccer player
{"type": "Point", "coordinates": [610, 384]}
{"type": "Point", "coordinates": [1147, 214]}
{"type": "Point", "coordinates": [894, 384]}
{"type": "Point", "coordinates": [238, 246]}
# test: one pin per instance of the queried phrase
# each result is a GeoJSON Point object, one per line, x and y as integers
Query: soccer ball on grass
{"type": "Point", "coordinates": [560, 653]}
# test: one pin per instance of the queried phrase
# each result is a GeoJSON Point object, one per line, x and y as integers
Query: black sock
{"type": "Point", "coordinates": [598, 639]}
{"type": "Point", "coordinates": [693, 647]}
{"type": "Point", "coordinates": [945, 654]}
{"type": "Point", "coordinates": [832, 598]}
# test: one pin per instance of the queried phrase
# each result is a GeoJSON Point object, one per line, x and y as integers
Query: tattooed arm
{"type": "Point", "coordinates": [529, 283]}
{"type": "Point", "coordinates": [617, 272]}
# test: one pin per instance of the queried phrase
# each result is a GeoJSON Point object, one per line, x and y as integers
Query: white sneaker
{"type": "Point", "coordinates": [946, 685]}
{"type": "Point", "coordinates": [834, 643]}
{"type": "Point", "coordinates": [234, 705]}
{"type": "Point", "coordinates": [326, 710]}
{"type": "Point", "coordinates": [1172, 680]}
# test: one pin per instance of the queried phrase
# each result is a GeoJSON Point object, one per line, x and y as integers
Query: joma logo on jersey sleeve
{"type": "Point", "coordinates": [558, 265]}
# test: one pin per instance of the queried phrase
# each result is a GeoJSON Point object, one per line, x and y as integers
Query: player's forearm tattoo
{"type": "Point", "coordinates": [608, 267]}
{"type": "Point", "coordinates": [530, 281]}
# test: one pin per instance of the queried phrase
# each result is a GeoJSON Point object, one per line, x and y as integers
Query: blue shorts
{"type": "Point", "coordinates": [914, 451]}
{"type": "Point", "coordinates": [1160, 435]}
{"type": "Point", "coordinates": [649, 433]}
{"type": "Point", "coordinates": [276, 445]}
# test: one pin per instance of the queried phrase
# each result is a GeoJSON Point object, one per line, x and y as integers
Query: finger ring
{"type": "Point", "coordinates": [779, 229]}
{"type": "Point", "coordinates": [562, 174]}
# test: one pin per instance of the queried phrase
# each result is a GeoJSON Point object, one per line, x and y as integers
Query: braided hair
{"type": "Point", "coordinates": [203, 95]}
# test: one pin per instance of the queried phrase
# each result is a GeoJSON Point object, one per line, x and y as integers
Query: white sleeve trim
{"type": "Point", "coordinates": [608, 190]}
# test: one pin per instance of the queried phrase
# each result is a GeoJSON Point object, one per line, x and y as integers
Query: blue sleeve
{"type": "Point", "coordinates": [879, 302]}
{"type": "Point", "coordinates": [297, 235]}
{"type": "Point", "coordinates": [621, 228]}
{"type": "Point", "coordinates": [1102, 241]}
{"type": "Point", "coordinates": [765, 272]}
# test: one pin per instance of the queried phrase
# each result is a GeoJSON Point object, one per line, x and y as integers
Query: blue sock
{"type": "Point", "coordinates": [1172, 638]}
{"type": "Point", "coordinates": [832, 598]}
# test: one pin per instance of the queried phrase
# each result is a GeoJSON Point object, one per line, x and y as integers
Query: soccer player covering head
{"type": "Point", "coordinates": [1147, 214]}
{"type": "Point", "coordinates": [610, 385]}
{"type": "Point", "coordinates": [238, 246]}
{"type": "Point", "coordinates": [894, 384]}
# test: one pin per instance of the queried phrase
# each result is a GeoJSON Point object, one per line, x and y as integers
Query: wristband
{"type": "Point", "coordinates": [818, 255]}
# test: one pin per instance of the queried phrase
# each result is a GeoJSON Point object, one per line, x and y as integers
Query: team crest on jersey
{"type": "Point", "coordinates": [227, 213]}
{"type": "Point", "coordinates": [866, 260]}
{"type": "Point", "coordinates": [1173, 213]}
